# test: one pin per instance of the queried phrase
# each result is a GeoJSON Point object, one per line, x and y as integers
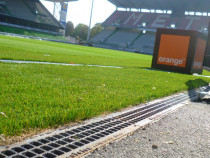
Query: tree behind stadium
{"type": "Point", "coordinates": [81, 30]}
{"type": "Point", "coordinates": [96, 29]}
{"type": "Point", "coordinates": [69, 29]}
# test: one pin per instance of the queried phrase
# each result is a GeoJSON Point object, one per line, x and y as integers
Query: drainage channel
{"type": "Point", "coordinates": [64, 142]}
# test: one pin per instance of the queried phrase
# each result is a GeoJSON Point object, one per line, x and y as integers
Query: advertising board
{"type": "Point", "coordinates": [179, 50]}
{"type": "Point", "coordinates": [173, 50]}
{"type": "Point", "coordinates": [63, 14]}
{"type": "Point", "coordinates": [207, 55]}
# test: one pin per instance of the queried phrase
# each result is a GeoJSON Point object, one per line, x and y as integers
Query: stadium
{"type": "Point", "coordinates": [28, 14]}
{"type": "Point", "coordinates": [139, 89]}
{"type": "Point", "coordinates": [134, 29]}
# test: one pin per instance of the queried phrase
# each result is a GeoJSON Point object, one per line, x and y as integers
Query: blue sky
{"type": "Point", "coordinates": [79, 11]}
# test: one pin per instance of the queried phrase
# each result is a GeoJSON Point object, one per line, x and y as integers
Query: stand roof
{"type": "Point", "coordinates": [187, 5]}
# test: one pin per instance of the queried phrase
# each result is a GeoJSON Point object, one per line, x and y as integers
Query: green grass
{"type": "Point", "coordinates": [31, 33]}
{"type": "Point", "coordinates": [42, 96]}
{"type": "Point", "coordinates": [27, 49]}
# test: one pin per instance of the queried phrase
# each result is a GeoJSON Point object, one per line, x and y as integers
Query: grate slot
{"type": "Point", "coordinates": [105, 133]}
{"type": "Point", "coordinates": [44, 141]}
{"type": "Point", "coordinates": [18, 149]}
{"type": "Point", "coordinates": [78, 136]}
{"type": "Point", "coordinates": [54, 145]}
{"type": "Point", "coordinates": [51, 139]}
{"type": "Point", "coordinates": [47, 148]}
{"type": "Point", "coordinates": [91, 132]}
{"type": "Point", "coordinates": [61, 142]}
{"type": "Point", "coordinates": [109, 131]}
{"type": "Point", "coordinates": [65, 149]}
{"type": "Point", "coordinates": [76, 130]}
{"type": "Point", "coordinates": [95, 124]}
{"type": "Point", "coordinates": [68, 140]}
{"type": "Point", "coordinates": [2, 156]}
{"type": "Point", "coordinates": [100, 128]}
{"type": "Point", "coordinates": [64, 134]}
{"type": "Point", "coordinates": [90, 139]}
{"type": "Point", "coordinates": [8, 152]}
{"type": "Point", "coordinates": [95, 130]}
{"type": "Point", "coordinates": [72, 146]}
{"type": "Point", "coordinates": [85, 133]}
{"type": "Point", "coordinates": [86, 127]}
{"type": "Point", "coordinates": [18, 156]}
{"type": "Point", "coordinates": [48, 155]}
{"type": "Point", "coordinates": [114, 129]}
{"type": "Point", "coordinates": [36, 143]}
{"type": "Point", "coordinates": [27, 146]}
{"type": "Point", "coordinates": [95, 137]}
{"type": "Point", "coordinates": [100, 135]}
{"type": "Point", "coordinates": [81, 129]}
{"type": "Point", "coordinates": [113, 124]}
{"type": "Point", "coordinates": [38, 151]}
{"type": "Point", "coordinates": [57, 152]}
{"type": "Point", "coordinates": [84, 141]}
{"type": "Point", "coordinates": [58, 136]}
{"type": "Point", "coordinates": [70, 132]}
{"type": "Point", "coordinates": [78, 144]}
{"type": "Point", "coordinates": [29, 154]}
{"type": "Point", "coordinates": [106, 126]}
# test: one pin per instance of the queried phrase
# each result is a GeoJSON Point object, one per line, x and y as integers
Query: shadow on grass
{"type": "Point", "coordinates": [152, 69]}
{"type": "Point", "coordinates": [193, 84]}
{"type": "Point", "coordinates": [160, 70]}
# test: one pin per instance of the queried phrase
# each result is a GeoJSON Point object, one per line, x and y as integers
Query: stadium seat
{"type": "Point", "coordinates": [102, 35]}
{"type": "Point", "coordinates": [122, 37]}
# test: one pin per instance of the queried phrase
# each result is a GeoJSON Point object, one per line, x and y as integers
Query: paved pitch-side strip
{"type": "Point", "coordinates": [75, 141]}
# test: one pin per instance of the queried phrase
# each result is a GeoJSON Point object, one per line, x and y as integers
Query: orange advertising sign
{"type": "Point", "coordinates": [199, 54]}
{"type": "Point", "coordinates": [173, 50]}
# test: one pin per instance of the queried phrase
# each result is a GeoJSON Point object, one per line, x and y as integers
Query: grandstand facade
{"type": "Point", "coordinates": [132, 27]}
{"type": "Point", "coordinates": [28, 14]}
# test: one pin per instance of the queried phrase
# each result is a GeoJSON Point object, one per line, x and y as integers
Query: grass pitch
{"type": "Point", "coordinates": [41, 96]}
{"type": "Point", "coordinates": [27, 49]}
{"type": "Point", "coordinates": [31, 33]}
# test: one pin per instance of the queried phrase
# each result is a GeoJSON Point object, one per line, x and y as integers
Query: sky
{"type": "Point", "coordinates": [79, 11]}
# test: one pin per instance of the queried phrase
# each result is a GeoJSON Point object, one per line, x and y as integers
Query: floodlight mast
{"type": "Point", "coordinates": [89, 30]}
{"type": "Point", "coordinates": [57, 10]}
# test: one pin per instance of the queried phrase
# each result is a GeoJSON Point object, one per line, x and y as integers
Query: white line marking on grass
{"type": "Point", "coordinates": [200, 75]}
{"type": "Point", "coordinates": [48, 63]}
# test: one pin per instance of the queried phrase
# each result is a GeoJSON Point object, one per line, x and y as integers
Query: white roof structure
{"type": "Point", "coordinates": [61, 0]}
{"type": "Point", "coordinates": [186, 5]}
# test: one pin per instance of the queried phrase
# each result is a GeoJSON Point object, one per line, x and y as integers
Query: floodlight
{"type": "Point", "coordinates": [173, 26]}
{"type": "Point", "coordinates": [144, 24]}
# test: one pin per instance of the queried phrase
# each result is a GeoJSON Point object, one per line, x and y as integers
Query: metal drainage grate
{"type": "Point", "coordinates": [68, 140]}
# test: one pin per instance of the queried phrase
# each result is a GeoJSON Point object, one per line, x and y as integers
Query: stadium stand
{"type": "Point", "coordinates": [135, 30]}
{"type": "Point", "coordinates": [144, 43]}
{"type": "Point", "coordinates": [102, 36]}
{"type": "Point", "coordinates": [121, 37]}
{"type": "Point", "coordinates": [28, 14]}
{"type": "Point", "coordinates": [155, 20]}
